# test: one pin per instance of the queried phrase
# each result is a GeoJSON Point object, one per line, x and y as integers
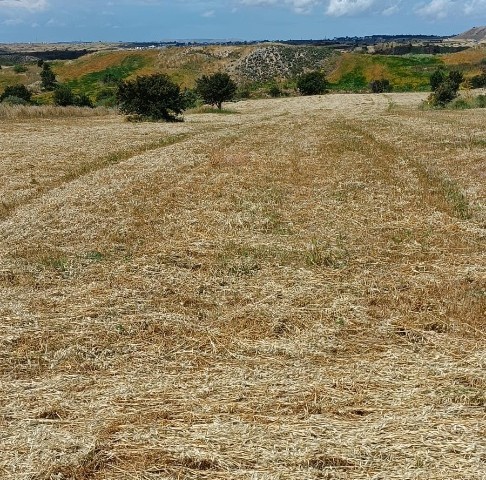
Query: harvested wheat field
{"type": "Point", "coordinates": [293, 290]}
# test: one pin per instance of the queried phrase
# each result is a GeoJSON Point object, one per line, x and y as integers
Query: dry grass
{"type": "Point", "coordinates": [290, 292]}
{"type": "Point", "coordinates": [23, 112]}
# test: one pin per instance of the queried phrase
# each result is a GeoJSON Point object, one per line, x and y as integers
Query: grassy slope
{"type": "Point", "coordinates": [295, 291]}
{"type": "Point", "coordinates": [353, 72]}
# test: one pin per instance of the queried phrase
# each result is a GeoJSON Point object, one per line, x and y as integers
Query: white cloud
{"type": "Point", "coordinates": [436, 9]}
{"type": "Point", "coordinates": [31, 5]}
{"type": "Point", "coordinates": [338, 8]}
{"type": "Point", "coordinates": [474, 7]}
{"type": "Point", "coordinates": [208, 14]}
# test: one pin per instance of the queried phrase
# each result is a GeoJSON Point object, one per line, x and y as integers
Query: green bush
{"type": "Point", "coordinates": [83, 100]}
{"type": "Point", "coordinates": [63, 96]}
{"type": "Point", "coordinates": [106, 98]}
{"type": "Point", "coordinates": [478, 81]}
{"type": "Point", "coordinates": [153, 97]}
{"type": "Point", "coordinates": [18, 91]}
{"type": "Point", "coordinates": [12, 100]}
{"type": "Point", "coordinates": [312, 83]}
{"type": "Point", "coordinates": [446, 90]}
{"type": "Point", "coordinates": [481, 101]}
{"type": "Point", "coordinates": [380, 86]}
{"type": "Point", "coordinates": [437, 77]}
{"type": "Point", "coordinates": [274, 91]}
{"type": "Point", "coordinates": [216, 89]}
{"type": "Point", "coordinates": [20, 68]}
{"type": "Point", "coordinates": [444, 93]}
{"type": "Point", "coordinates": [48, 79]}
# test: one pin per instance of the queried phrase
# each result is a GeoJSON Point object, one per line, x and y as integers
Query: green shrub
{"type": "Point", "coordinates": [380, 86]}
{"type": "Point", "coordinates": [481, 101]}
{"type": "Point", "coordinates": [478, 81]}
{"type": "Point", "coordinates": [312, 83]}
{"type": "Point", "coordinates": [63, 96]}
{"type": "Point", "coordinates": [460, 104]}
{"type": "Point", "coordinates": [106, 98]}
{"type": "Point", "coordinates": [274, 91]}
{"type": "Point", "coordinates": [20, 68]}
{"type": "Point", "coordinates": [12, 100]}
{"type": "Point", "coordinates": [437, 77]}
{"type": "Point", "coordinates": [48, 79]}
{"type": "Point", "coordinates": [444, 93]}
{"type": "Point", "coordinates": [18, 91]}
{"type": "Point", "coordinates": [83, 100]}
{"type": "Point", "coordinates": [152, 97]}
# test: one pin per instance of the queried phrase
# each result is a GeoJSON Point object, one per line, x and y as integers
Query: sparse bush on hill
{"type": "Point", "coordinates": [216, 89]}
{"type": "Point", "coordinates": [65, 97]}
{"type": "Point", "coordinates": [12, 100]}
{"type": "Point", "coordinates": [274, 91]}
{"type": "Point", "coordinates": [19, 68]}
{"type": "Point", "coordinates": [446, 90]}
{"type": "Point", "coordinates": [48, 79]}
{"type": "Point", "coordinates": [380, 86]}
{"type": "Point", "coordinates": [312, 83]}
{"type": "Point", "coordinates": [437, 77]}
{"type": "Point", "coordinates": [17, 91]}
{"type": "Point", "coordinates": [153, 97]}
{"type": "Point", "coordinates": [106, 98]}
{"type": "Point", "coordinates": [479, 81]}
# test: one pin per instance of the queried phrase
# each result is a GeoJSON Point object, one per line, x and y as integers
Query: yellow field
{"type": "Point", "coordinates": [292, 291]}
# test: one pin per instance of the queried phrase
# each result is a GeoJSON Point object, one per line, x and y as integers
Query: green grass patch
{"type": "Point", "coordinates": [406, 72]}
{"type": "Point", "coordinates": [91, 83]}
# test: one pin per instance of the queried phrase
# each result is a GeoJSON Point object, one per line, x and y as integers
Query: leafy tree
{"type": "Point", "coordinates": [312, 83]}
{"type": "Point", "coordinates": [48, 79]}
{"type": "Point", "coordinates": [216, 89]}
{"type": "Point", "coordinates": [380, 86]}
{"type": "Point", "coordinates": [19, 91]}
{"type": "Point", "coordinates": [153, 96]}
{"type": "Point", "coordinates": [190, 98]}
{"type": "Point", "coordinates": [40, 62]}
{"type": "Point", "coordinates": [63, 96]}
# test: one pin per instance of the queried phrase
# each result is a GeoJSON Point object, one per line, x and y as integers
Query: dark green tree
{"type": "Point", "coordinates": [19, 91]}
{"type": "Point", "coordinates": [48, 79]}
{"type": "Point", "coordinates": [154, 97]}
{"type": "Point", "coordinates": [312, 83]}
{"type": "Point", "coordinates": [216, 89]}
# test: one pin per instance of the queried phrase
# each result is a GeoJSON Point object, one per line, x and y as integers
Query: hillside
{"type": "Point", "coordinates": [295, 290]}
{"type": "Point", "coordinates": [476, 34]}
{"type": "Point", "coordinates": [254, 67]}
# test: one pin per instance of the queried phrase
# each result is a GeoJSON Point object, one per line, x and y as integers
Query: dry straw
{"type": "Point", "coordinates": [290, 292]}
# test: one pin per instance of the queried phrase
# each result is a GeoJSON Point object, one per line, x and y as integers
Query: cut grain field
{"type": "Point", "coordinates": [295, 290]}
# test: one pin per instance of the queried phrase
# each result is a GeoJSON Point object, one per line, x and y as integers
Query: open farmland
{"type": "Point", "coordinates": [295, 290]}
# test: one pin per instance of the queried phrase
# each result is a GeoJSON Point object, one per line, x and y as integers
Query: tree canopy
{"type": "Point", "coordinates": [153, 96]}
{"type": "Point", "coordinates": [216, 89]}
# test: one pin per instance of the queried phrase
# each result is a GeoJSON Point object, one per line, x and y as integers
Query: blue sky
{"type": "Point", "coordinates": [152, 20]}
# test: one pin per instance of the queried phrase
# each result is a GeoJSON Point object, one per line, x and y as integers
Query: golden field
{"type": "Point", "coordinates": [292, 290]}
